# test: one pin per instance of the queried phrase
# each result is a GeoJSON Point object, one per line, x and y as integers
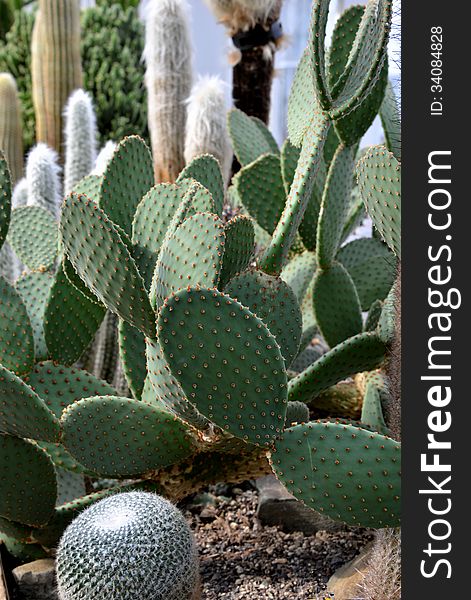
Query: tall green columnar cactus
{"type": "Point", "coordinates": [56, 66]}
{"type": "Point", "coordinates": [80, 138]}
{"type": "Point", "coordinates": [253, 27]}
{"type": "Point", "coordinates": [43, 180]}
{"type": "Point", "coordinates": [140, 535]}
{"type": "Point", "coordinates": [11, 131]}
{"type": "Point", "coordinates": [206, 128]}
{"type": "Point", "coordinates": [168, 79]}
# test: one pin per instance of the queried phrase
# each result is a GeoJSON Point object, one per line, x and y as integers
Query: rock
{"type": "Point", "coordinates": [37, 580]}
{"type": "Point", "coordinates": [3, 584]}
{"type": "Point", "coordinates": [276, 506]}
{"type": "Point", "coordinates": [343, 583]}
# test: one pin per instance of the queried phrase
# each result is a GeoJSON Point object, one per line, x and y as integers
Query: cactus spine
{"type": "Point", "coordinates": [11, 135]}
{"type": "Point", "coordinates": [206, 128]}
{"type": "Point", "coordinates": [42, 176]}
{"type": "Point", "coordinates": [80, 138]}
{"type": "Point", "coordinates": [56, 66]}
{"type": "Point", "coordinates": [168, 79]}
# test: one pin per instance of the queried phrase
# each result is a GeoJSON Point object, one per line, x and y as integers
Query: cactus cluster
{"type": "Point", "coordinates": [233, 332]}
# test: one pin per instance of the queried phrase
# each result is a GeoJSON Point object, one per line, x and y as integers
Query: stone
{"type": "Point", "coordinates": [277, 507]}
{"type": "Point", "coordinates": [343, 583]}
{"type": "Point", "coordinates": [3, 584]}
{"type": "Point", "coordinates": [37, 580]}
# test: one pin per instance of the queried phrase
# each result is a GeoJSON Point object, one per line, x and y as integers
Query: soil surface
{"type": "Point", "coordinates": [240, 559]}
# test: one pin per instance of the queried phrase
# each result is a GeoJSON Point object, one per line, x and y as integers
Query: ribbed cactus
{"type": "Point", "coordinates": [128, 546]}
{"type": "Point", "coordinates": [206, 128]}
{"type": "Point", "coordinates": [80, 138]}
{"type": "Point", "coordinates": [168, 57]}
{"type": "Point", "coordinates": [56, 66]}
{"type": "Point", "coordinates": [43, 180]}
{"type": "Point", "coordinates": [11, 132]}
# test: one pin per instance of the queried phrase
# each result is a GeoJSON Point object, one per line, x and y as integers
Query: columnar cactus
{"type": "Point", "coordinates": [141, 536]}
{"type": "Point", "coordinates": [80, 138]}
{"type": "Point", "coordinates": [206, 128]}
{"type": "Point", "coordinates": [168, 79]}
{"type": "Point", "coordinates": [42, 177]}
{"type": "Point", "coordinates": [56, 66]}
{"type": "Point", "coordinates": [11, 132]}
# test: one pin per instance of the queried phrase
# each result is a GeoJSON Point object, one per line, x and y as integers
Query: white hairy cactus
{"type": "Point", "coordinates": [42, 176]}
{"type": "Point", "coordinates": [104, 157]}
{"type": "Point", "coordinates": [240, 15]}
{"type": "Point", "coordinates": [168, 79]}
{"type": "Point", "coordinates": [19, 195]}
{"type": "Point", "coordinates": [130, 546]}
{"type": "Point", "coordinates": [80, 138]}
{"type": "Point", "coordinates": [206, 127]}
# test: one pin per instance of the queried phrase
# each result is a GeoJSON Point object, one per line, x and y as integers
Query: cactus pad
{"type": "Point", "coordinates": [391, 120]}
{"type": "Point", "coordinates": [239, 247]}
{"type": "Point", "coordinates": [302, 104]}
{"type": "Point", "coordinates": [28, 484]}
{"type": "Point", "coordinates": [247, 138]}
{"type": "Point", "coordinates": [363, 352]}
{"type": "Point", "coordinates": [343, 38]}
{"type": "Point", "coordinates": [274, 302]}
{"type": "Point", "coordinates": [22, 412]}
{"type": "Point", "coordinates": [5, 198]}
{"type": "Point", "coordinates": [267, 134]}
{"type": "Point", "coordinates": [120, 437]}
{"type": "Point", "coordinates": [342, 471]}
{"type": "Point", "coordinates": [261, 190]}
{"type": "Point", "coordinates": [16, 333]}
{"type": "Point", "coordinates": [289, 161]}
{"type": "Point", "coordinates": [299, 273]}
{"type": "Point", "coordinates": [71, 320]}
{"type": "Point", "coordinates": [132, 351]}
{"type": "Point", "coordinates": [319, 16]}
{"type": "Point", "coordinates": [226, 361]}
{"type": "Point", "coordinates": [33, 236]}
{"type": "Point", "coordinates": [375, 392]}
{"type": "Point", "coordinates": [336, 305]}
{"type": "Point", "coordinates": [73, 278]}
{"type": "Point", "coordinates": [374, 314]}
{"type": "Point", "coordinates": [379, 181]}
{"type": "Point", "coordinates": [128, 176]}
{"type": "Point", "coordinates": [100, 257]}
{"type": "Point", "coordinates": [206, 170]}
{"type": "Point", "coordinates": [89, 186]}
{"type": "Point", "coordinates": [297, 412]}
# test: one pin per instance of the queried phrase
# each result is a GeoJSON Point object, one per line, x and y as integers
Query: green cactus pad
{"type": "Point", "coordinates": [297, 412]}
{"type": "Point", "coordinates": [16, 333]}
{"type": "Point", "coordinates": [319, 17]}
{"type": "Point", "coordinates": [248, 140]}
{"type": "Point", "coordinates": [289, 161]}
{"type": "Point", "coordinates": [343, 38]}
{"type": "Point", "coordinates": [167, 389]}
{"type": "Point", "coordinates": [372, 268]}
{"type": "Point", "coordinates": [373, 316]}
{"type": "Point", "coordinates": [128, 176]}
{"type": "Point", "coordinates": [34, 289]}
{"type": "Point", "coordinates": [33, 236]}
{"type": "Point", "coordinates": [336, 305]}
{"type": "Point", "coordinates": [22, 412]}
{"type": "Point", "coordinates": [98, 254]}
{"type": "Point", "coordinates": [89, 186]}
{"type": "Point", "coordinates": [387, 321]}
{"type": "Point", "coordinates": [62, 459]}
{"type": "Point", "coordinates": [5, 198]}
{"type": "Point", "coordinates": [69, 486]}
{"type": "Point", "coordinates": [261, 190]}
{"type": "Point", "coordinates": [299, 273]}
{"type": "Point", "coordinates": [302, 104]}
{"type": "Point", "coordinates": [267, 134]}
{"type": "Point", "coordinates": [193, 255]}
{"type": "Point", "coordinates": [205, 169]}
{"type": "Point", "coordinates": [70, 320]}
{"type": "Point", "coordinates": [363, 352]}
{"type": "Point", "coordinates": [299, 196]}
{"type": "Point", "coordinates": [356, 214]}
{"type": "Point", "coordinates": [132, 351]}
{"type": "Point", "coordinates": [342, 471]}
{"type": "Point", "coordinates": [330, 146]}
{"type": "Point", "coordinates": [14, 530]}
{"type": "Point", "coordinates": [391, 120]}
{"type": "Point", "coordinates": [28, 484]}
{"type": "Point", "coordinates": [274, 302]}
{"type": "Point", "coordinates": [151, 221]}
{"type": "Point", "coordinates": [120, 437]}
{"type": "Point", "coordinates": [239, 247]}
{"type": "Point", "coordinates": [23, 552]}
{"type": "Point", "coordinates": [245, 395]}
{"type": "Point", "coordinates": [375, 391]}
{"type": "Point", "coordinates": [335, 204]}
{"type": "Point", "coordinates": [59, 386]}
{"type": "Point", "coordinates": [73, 278]}
{"type": "Point", "coordinates": [379, 181]}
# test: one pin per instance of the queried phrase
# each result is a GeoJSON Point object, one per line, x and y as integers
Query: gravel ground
{"type": "Point", "coordinates": [240, 559]}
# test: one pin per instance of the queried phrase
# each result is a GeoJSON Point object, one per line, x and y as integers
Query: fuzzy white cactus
{"type": "Point", "coordinates": [104, 157]}
{"type": "Point", "coordinates": [19, 195]}
{"type": "Point", "coordinates": [240, 15]}
{"type": "Point", "coordinates": [43, 178]}
{"type": "Point", "coordinates": [206, 128]}
{"type": "Point", "coordinates": [80, 138]}
{"type": "Point", "coordinates": [168, 79]}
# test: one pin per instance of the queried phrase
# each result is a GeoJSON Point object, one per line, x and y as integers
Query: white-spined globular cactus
{"type": "Point", "coordinates": [130, 546]}
{"type": "Point", "coordinates": [43, 177]}
{"type": "Point", "coordinates": [206, 128]}
{"type": "Point", "coordinates": [80, 138]}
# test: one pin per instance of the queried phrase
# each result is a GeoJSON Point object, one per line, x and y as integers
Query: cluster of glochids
{"type": "Point", "coordinates": [231, 331]}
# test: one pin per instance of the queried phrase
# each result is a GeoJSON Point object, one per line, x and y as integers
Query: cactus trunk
{"type": "Point", "coordinates": [11, 135]}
